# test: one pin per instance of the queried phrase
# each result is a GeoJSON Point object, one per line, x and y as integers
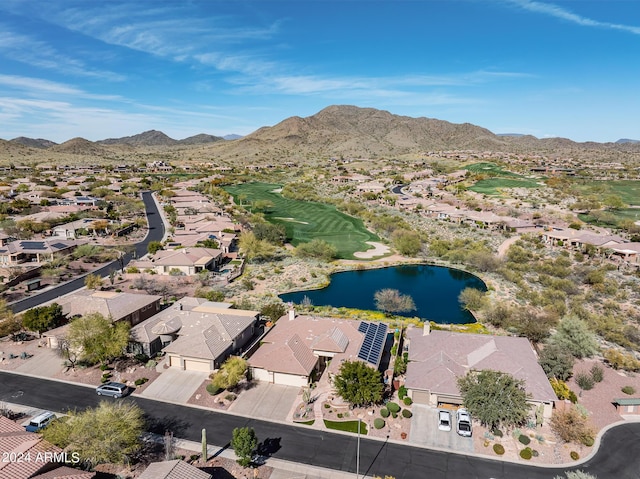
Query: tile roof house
{"type": "Point", "coordinates": [23, 251]}
{"type": "Point", "coordinates": [438, 358]}
{"type": "Point", "coordinates": [117, 306]}
{"type": "Point", "coordinates": [16, 442]}
{"type": "Point", "coordinates": [189, 261]}
{"type": "Point", "coordinates": [195, 334]}
{"type": "Point", "coordinates": [175, 469]}
{"type": "Point", "coordinates": [299, 346]}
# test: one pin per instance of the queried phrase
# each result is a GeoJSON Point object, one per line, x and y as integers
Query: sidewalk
{"type": "Point", "coordinates": [281, 469]}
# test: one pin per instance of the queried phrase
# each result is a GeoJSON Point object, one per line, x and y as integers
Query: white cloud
{"type": "Point", "coordinates": [564, 14]}
{"type": "Point", "coordinates": [31, 51]}
{"type": "Point", "coordinates": [36, 87]}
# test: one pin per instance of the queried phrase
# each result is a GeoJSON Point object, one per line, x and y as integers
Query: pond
{"type": "Point", "coordinates": [434, 289]}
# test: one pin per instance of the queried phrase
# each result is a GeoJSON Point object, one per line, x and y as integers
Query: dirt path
{"type": "Point", "coordinates": [502, 249]}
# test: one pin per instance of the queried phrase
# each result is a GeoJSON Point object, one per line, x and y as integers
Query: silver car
{"type": "Point", "coordinates": [444, 420]}
{"type": "Point", "coordinates": [113, 389]}
{"type": "Point", "coordinates": [463, 422]}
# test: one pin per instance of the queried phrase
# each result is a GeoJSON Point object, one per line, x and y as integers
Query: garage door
{"type": "Point", "coordinates": [196, 365]}
{"type": "Point", "coordinates": [174, 361]}
{"type": "Point", "coordinates": [290, 380]}
{"type": "Point", "coordinates": [260, 374]}
{"type": "Point", "coordinates": [420, 397]}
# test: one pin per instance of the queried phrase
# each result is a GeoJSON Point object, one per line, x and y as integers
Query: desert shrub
{"type": "Point", "coordinates": [571, 425]}
{"type": "Point", "coordinates": [574, 455]}
{"type": "Point", "coordinates": [402, 392]}
{"type": "Point", "coordinates": [628, 390]}
{"type": "Point", "coordinates": [104, 380]}
{"type": "Point", "coordinates": [213, 390]}
{"type": "Point", "coordinates": [394, 415]}
{"type": "Point", "coordinates": [327, 406]}
{"type": "Point", "coordinates": [340, 415]}
{"type": "Point", "coordinates": [406, 413]}
{"type": "Point", "coordinates": [572, 397]}
{"type": "Point", "coordinates": [230, 397]}
{"type": "Point", "coordinates": [524, 439]}
{"type": "Point", "coordinates": [497, 433]}
{"type": "Point", "coordinates": [407, 401]}
{"type": "Point", "coordinates": [620, 360]}
{"type": "Point", "coordinates": [588, 441]}
{"type": "Point", "coordinates": [379, 423]}
{"type": "Point", "coordinates": [141, 358]}
{"type": "Point", "coordinates": [526, 453]}
{"type": "Point", "coordinates": [384, 412]}
{"type": "Point", "coordinates": [584, 381]}
{"type": "Point", "coordinates": [534, 453]}
{"type": "Point", "coordinates": [393, 407]}
{"type": "Point", "coordinates": [498, 449]}
{"type": "Point", "coordinates": [597, 373]}
{"type": "Point", "coordinates": [140, 381]}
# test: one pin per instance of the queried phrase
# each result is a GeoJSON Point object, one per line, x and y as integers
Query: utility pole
{"type": "Point", "coordinates": [358, 452]}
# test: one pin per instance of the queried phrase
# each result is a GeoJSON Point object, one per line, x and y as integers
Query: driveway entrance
{"type": "Point", "coordinates": [175, 385]}
{"type": "Point", "coordinates": [265, 401]}
{"type": "Point", "coordinates": [425, 432]}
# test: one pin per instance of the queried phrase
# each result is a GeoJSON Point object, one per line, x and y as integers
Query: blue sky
{"type": "Point", "coordinates": [103, 69]}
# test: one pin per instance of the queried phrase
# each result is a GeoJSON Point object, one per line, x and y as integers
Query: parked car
{"type": "Point", "coordinates": [113, 389]}
{"type": "Point", "coordinates": [40, 421]}
{"type": "Point", "coordinates": [463, 422]}
{"type": "Point", "coordinates": [444, 420]}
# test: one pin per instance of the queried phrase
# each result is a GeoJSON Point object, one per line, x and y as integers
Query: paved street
{"type": "Point", "coordinates": [618, 456]}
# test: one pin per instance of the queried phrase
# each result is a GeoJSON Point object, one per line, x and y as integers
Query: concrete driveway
{"type": "Point", "coordinates": [45, 363]}
{"type": "Point", "coordinates": [175, 385]}
{"type": "Point", "coordinates": [425, 432]}
{"type": "Point", "coordinates": [265, 401]}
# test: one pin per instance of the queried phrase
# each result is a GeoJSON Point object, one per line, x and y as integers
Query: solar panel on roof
{"type": "Point", "coordinates": [32, 244]}
{"type": "Point", "coordinates": [59, 245]}
{"type": "Point", "coordinates": [373, 342]}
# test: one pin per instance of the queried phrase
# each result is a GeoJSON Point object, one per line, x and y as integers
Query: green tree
{"type": "Point", "coordinates": [10, 324]}
{"type": "Point", "coordinates": [255, 249]}
{"type": "Point", "coordinates": [406, 242]}
{"type": "Point", "coordinates": [573, 335]}
{"type": "Point", "coordinates": [273, 233]}
{"type": "Point", "coordinates": [97, 338]}
{"type": "Point", "coordinates": [244, 442]}
{"type": "Point", "coordinates": [495, 398]}
{"type": "Point", "coordinates": [154, 246]}
{"type": "Point", "coordinates": [93, 281]}
{"type": "Point", "coordinates": [391, 301]}
{"type": "Point", "coordinates": [472, 299]}
{"type": "Point", "coordinates": [109, 433]}
{"type": "Point", "coordinates": [317, 249]}
{"type": "Point", "coordinates": [556, 362]}
{"type": "Point", "coordinates": [230, 373]}
{"type": "Point", "coordinates": [262, 205]}
{"type": "Point", "coordinates": [273, 311]}
{"type": "Point", "coordinates": [43, 318]}
{"type": "Point", "coordinates": [358, 384]}
{"type": "Point", "coordinates": [534, 325]}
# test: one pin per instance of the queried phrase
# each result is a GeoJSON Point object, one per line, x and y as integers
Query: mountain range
{"type": "Point", "coordinates": [339, 130]}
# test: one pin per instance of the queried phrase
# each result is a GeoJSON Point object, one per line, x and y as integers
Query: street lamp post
{"type": "Point", "coordinates": [358, 453]}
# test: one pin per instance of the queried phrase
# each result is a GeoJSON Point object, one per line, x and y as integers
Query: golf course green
{"type": "Point", "coordinates": [305, 221]}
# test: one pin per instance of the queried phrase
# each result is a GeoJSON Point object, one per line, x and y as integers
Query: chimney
{"type": "Point", "coordinates": [426, 329]}
{"type": "Point", "coordinates": [292, 314]}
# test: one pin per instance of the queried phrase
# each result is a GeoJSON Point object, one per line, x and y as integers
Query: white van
{"type": "Point", "coordinates": [40, 421]}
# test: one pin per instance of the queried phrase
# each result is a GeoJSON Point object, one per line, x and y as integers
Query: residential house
{"type": "Point", "coordinates": [195, 334]}
{"type": "Point", "coordinates": [118, 306]}
{"type": "Point", "coordinates": [299, 347]}
{"type": "Point", "coordinates": [187, 261]}
{"type": "Point", "coordinates": [35, 251]}
{"type": "Point", "coordinates": [17, 443]}
{"type": "Point", "coordinates": [176, 469]}
{"type": "Point", "coordinates": [70, 230]}
{"type": "Point", "coordinates": [438, 358]}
